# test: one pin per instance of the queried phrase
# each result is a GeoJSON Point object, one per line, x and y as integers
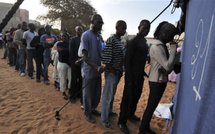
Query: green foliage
{"type": "Point", "coordinates": [70, 12]}
{"type": "Point", "coordinates": [56, 31]}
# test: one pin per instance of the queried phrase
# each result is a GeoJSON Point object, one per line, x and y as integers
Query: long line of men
{"type": "Point", "coordinates": [79, 62]}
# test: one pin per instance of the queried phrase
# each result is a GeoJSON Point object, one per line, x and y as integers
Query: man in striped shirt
{"type": "Point", "coordinates": [113, 59]}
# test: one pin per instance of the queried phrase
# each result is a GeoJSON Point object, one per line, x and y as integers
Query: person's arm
{"type": "Point", "coordinates": [24, 39]}
{"type": "Point", "coordinates": [35, 41]}
{"type": "Point", "coordinates": [72, 51]}
{"type": "Point", "coordinates": [157, 52]}
{"type": "Point", "coordinates": [83, 52]}
{"type": "Point", "coordinates": [129, 54]}
{"type": "Point", "coordinates": [107, 52]}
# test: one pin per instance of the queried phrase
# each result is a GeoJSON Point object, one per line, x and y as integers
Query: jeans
{"type": "Point", "coordinates": [46, 62]}
{"type": "Point", "coordinates": [17, 59]}
{"type": "Point", "coordinates": [64, 72]}
{"type": "Point", "coordinates": [111, 82]}
{"type": "Point", "coordinates": [22, 60]}
{"type": "Point", "coordinates": [91, 94]}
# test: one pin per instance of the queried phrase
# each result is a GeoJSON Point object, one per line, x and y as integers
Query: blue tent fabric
{"type": "Point", "coordinates": [195, 100]}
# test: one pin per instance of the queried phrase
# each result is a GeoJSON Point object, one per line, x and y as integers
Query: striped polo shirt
{"type": "Point", "coordinates": [113, 54]}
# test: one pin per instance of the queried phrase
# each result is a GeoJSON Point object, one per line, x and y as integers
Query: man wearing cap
{"type": "Point", "coordinates": [90, 51]}
{"type": "Point", "coordinates": [135, 59]}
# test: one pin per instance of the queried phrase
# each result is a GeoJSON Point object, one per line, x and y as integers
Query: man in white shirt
{"type": "Point", "coordinates": [27, 38]}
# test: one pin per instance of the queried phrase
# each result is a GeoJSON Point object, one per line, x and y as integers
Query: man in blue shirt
{"type": "Point", "coordinates": [90, 51]}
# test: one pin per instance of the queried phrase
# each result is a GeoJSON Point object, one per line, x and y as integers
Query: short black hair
{"type": "Point", "coordinates": [95, 16]}
{"type": "Point", "coordinates": [165, 28]}
{"type": "Point", "coordinates": [121, 23]}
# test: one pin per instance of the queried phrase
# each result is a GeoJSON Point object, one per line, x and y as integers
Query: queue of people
{"type": "Point", "coordinates": [79, 62]}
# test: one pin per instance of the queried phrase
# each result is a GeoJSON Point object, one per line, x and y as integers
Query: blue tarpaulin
{"type": "Point", "coordinates": [195, 105]}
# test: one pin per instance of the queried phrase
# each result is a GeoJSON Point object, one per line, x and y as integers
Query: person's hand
{"type": "Point", "coordinates": [172, 43]}
{"type": "Point", "coordinates": [100, 69]}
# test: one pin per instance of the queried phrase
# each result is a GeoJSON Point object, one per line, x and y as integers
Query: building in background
{"type": "Point", "coordinates": [20, 15]}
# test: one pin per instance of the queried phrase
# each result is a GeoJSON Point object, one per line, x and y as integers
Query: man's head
{"type": "Point", "coordinates": [31, 27]}
{"type": "Point", "coordinates": [19, 26]}
{"type": "Point", "coordinates": [48, 29]}
{"type": "Point", "coordinates": [96, 22]}
{"type": "Point", "coordinates": [24, 26]}
{"type": "Point", "coordinates": [41, 31]}
{"type": "Point", "coordinates": [165, 32]}
{"type": "Point", "coordinates": [121, 27]}
{"type": "Point", "coordinates": [65, 37]}
{"type": "Point", "coordinates": [78, 30]}
{"type": "Point", "coordinates": [144, 28]}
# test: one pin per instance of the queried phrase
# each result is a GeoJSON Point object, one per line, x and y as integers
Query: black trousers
{"type": "Point", "coordinates": [156, 92]}
{"type": "Point", "coordinates": [39, 62]}
{"type": "Point", "coordinates": [76, 83]}
{"type": "Point", "coordinates": [131, 95]}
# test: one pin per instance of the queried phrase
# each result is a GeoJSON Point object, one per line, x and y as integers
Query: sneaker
{"type": "Point", "coordinates": [22, 74]}
{"type": "Point", "coordinates": [31, 77]}
{"type": "Point", "coordinates": [112, 114]}
{"type": "Point", "coordinates": [106, 124]}
{"type": "Point", "coordinates": [90, 119]}
{"type": "Point", "coordinates": [134, 118]}
{"type": "Point", "coordinates": [38, 80]}
{"type": "Point", "coordinates": [82, 107]}
{"type": "Point", "coordinates": [124, 128]}
{"type": "Point", "coordinates": [46, 82]}
{"type": "Point", "coordinates": [65, 96]}
{"type": "Point", "coordinates": [96, 113]}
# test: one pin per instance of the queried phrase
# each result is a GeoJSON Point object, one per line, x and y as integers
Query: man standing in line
{"type": "Point", "coordinates": [21, 48]}
{"type": "Point", "coordinates": [90, 51]}
{"type": "Point", "coordinates": [135, 60]}
{"type": "Point", "coordinates": [76, 82]}
{"type": "Point", "coordinates": [27, 38]}
{"type": "Point", "coordinates": [112, 57]}
{"type": "Point", "coordinates": [47, 40]}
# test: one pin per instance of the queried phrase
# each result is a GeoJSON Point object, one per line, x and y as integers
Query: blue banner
{"type": "Point", "coordinates": [195, 105]}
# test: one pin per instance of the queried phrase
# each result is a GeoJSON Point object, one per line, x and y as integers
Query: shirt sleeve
{"type": "Point", "coordinates": [84, 45]}
{"type": "Point", "coordinates": [158, 53]}
{"type": "Point", "coordinates": [24, 35]}
{"type": "Point", "coordinates": [107, 52]}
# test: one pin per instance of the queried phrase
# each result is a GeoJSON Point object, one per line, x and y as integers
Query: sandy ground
{"type": "Point", "coordinates": [29, 107]}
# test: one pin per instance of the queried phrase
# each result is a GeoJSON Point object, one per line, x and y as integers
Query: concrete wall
{"type": "Point", "coordinates": [18, 17]}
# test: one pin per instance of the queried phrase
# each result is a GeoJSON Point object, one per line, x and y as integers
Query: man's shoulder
{"type": "Point", "coordinates": [87, 33]}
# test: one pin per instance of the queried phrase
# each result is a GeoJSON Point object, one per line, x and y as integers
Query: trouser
{"type": "Point", "coordinates": [91, 94]}
{"type": "Point", "coordinates": [64, 71]}
{"type": "Point", "coordinates": [111, 82]}
{"type": "Point", "coordinates": [76, 83]}
{"type": "Point", "coordinates": [11, 55]}
{"type": "Point", "coordinates": [30, 57]}
{"type": "Point", "coordinates": [5, 50]}
{"type": "Point", "coordinates": [46, 62]}
{"type": "Point", "coordinates": [131, 95]}
{"type": "Point", "coordinates": [17, 59]}
{"type": "Point", "coordinates": [156, 92]}
{"type": "Point", "coordinates": [39, 62]}
{"type": "Point", "coordinates": [22, 60]}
